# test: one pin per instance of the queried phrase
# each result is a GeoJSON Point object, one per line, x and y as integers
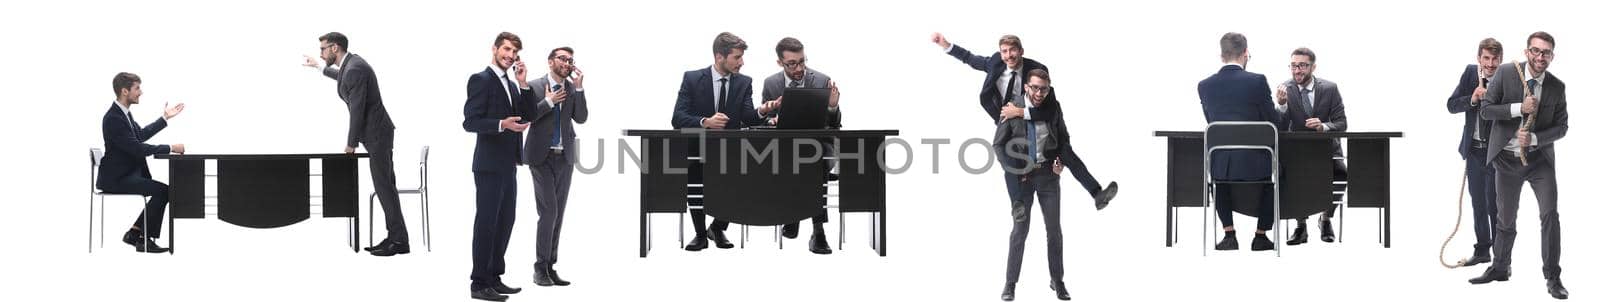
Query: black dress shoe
{"type": "Point", "coordinates": [1327, 230]}
{"type": "Point", "coordinates": [1228, 243]}
{"type": "Point", "coordinates": [487, 294]}
{"type": "Point", "coordinates": [1009, 293]}
{"type": "Point", "coordinates": [556, 278]}
{"type": "Point", "coordinates": [1261, 243]}
{"type": "Point", "coordinates": [1299, 237]}
{"type": "Point", "coordinates": [1555, 288]}
{"type": "Point", "coordinates": [1478, 256]}
{"type": "Point", "coordinates": [791, 230]}
{"type": "Point", "coordinates": [542, 278]}
{"type": "Point", "coordinates": [504, 289]}
{"type": "Point", "coordinates": [697, 244]}
{"type": "Point", "coordinates": [819, 244]}
{"type": "Point", "coordinates": [1061, 291]}
{"type": "Point", "coordinates": [375, 246]}
{"type": "Point", "coordinates": [1106, 194]}
{"type": "Point", "coordinates": [391, 249]}
{"type": "Point", "coordinates": [142, 244]}
{"type": "Point", "coordinates": [721, 240]}
{"type": "Point", "coordinates": [1491, 275]}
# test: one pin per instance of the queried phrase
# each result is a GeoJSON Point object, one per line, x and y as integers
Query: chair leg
{"type": "Point", "coordinates": [427, 230]}
{"type": "Point", "coordinates": [91, 222]}
{"type": "Point", "coordinates": [680, 230]}
{"type": "Point", "coordinates": [102, 221]}
{"type": "Point", "coordinates": [370, 218]}
{"type": "Point", "coordinates": [841, 230]}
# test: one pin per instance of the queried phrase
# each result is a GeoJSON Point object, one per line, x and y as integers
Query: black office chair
{"type": "Point", "coordinates": [1231, 135]}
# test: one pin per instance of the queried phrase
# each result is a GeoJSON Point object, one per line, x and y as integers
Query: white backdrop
{"type": "Point", "coordinates": [1124, 69]}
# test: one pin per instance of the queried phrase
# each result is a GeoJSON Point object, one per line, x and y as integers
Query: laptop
{"type": "Point", "coordinates": [804, 108]}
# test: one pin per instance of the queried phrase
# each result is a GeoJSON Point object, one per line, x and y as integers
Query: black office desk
{"type": "Point", "coordinates": [1306, 174]}
{"type": "Point", "coordinates": [263, 190]}
{"type": "Point", "coordinates": [758, 195]}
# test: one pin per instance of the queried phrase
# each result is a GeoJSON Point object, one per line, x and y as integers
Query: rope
{"type": "Point", "coordinates": [1460, 195]}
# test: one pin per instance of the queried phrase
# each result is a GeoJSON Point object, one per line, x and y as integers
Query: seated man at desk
{"type": "Point", "coordinates": [715, 97]}
{"type": "Point", "coordinates": [123, 169]}
{"type": "Point", "coordinates": [1310, 103]}
{"type": "Point", "coordinates": [1233, 94]}
{"type": "Point", "coordinates": [795, 74]}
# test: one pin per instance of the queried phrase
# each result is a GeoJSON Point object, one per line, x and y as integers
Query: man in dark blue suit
{"type": "Point", "coordinates": [716, 97]}
{"type": "Point", "coordinates": [1005, 72]}
{"type": "Point", "coordinates": [494, 111]}
{"type": "Point", "coordinates": [1233, 94]}
{"type": "Point", "coordinates": [1468, 98]}
{"type": "Point", "coordinates": [123, 169]}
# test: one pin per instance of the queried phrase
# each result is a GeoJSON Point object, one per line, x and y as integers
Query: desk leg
{"type": "Point", "coordinates": [355, 224]}
{"type": "Point", "coordinates": [172, 230]}
{"type": "Point", "coordinates": [1387, 228]}
{"type": "Point", "coordinates": [1169, 225]}
{"type": "Point", "coordinates": [882, 226]}
{"type": "Point", "coordinates": [644, 233]}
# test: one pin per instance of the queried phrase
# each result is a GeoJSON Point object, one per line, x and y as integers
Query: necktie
{"type": "Point", "coordinates": [1305, 93]}
{"type": "Point", "coordinates": [1533, 87]}
{"type": "Point", "coordinates": [555, 139]}
{"type": "Point", "coordinates": [132, 124]}
{"type": "Point", "coordinates": [1011, 82]}
{"type": "Point", "coordinates": [1033, 144]}
{"type": "Point", "coordinates": [514, 92]}
{"type": "Point", "coordinates": [794, 84]}
{"type": "Point", "coordinates": [722, 99]}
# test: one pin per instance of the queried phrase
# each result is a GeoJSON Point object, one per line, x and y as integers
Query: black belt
{"type": "Point", "coordinates": [557, 152]}
{"type": "Point", "coordinates": [1477, 144]}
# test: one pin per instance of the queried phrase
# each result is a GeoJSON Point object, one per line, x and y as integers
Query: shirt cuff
{"type": "Point", "coordinates": [548, 103]}
{"type": "Point", "coordinates": [1533, 139]}
{"type": "Point", "coordinates": [951, 48]}
{"type": "Point", "coordinates": [1516, 110]}
{"type": "Point", "coordinates": [1282, 108]}
{"type": "Point", "coordinates": [1027, 114]}
{"type": "Point", "coordinates": [1324, 127]}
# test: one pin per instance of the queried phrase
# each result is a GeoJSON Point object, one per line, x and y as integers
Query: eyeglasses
{"type": "Point", "coordinates": [564, 59]}
{"type": "Point", "coordinates": [1544, 53]}
{"type": "Point", "coordinates": [1041, 88]}
{"type": "Point", "coordinates": [793, 64]}
{"type": "Point", "coordinates": [1300, 66]}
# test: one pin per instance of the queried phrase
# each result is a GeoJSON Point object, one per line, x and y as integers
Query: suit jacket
{"type": "Point", "coordinates": [773, 87]}
{"type": "Point", "coordinates": [1233, 94]}
{"type": "Point", "coordinates": [497, 150]}
{"type": "Point", "coordinates": [1461, 101]}
{"type": "Point", "coordinates": [1329, 107]}
{"type": "Point", "coordinates": [697, 101]}
{"type": "Point", "coordinates": [1016, 128]}
{"type": "Point", "coordinates": [358, 87]}
{"type": "Point", "coordinates": [125, 149]}
{"type": "Point", "coordinates": [574, 109]}
{"type": "Point", "coordinates": [1550, 125]}
{"type": "Point", "coordinates": [991, 97]}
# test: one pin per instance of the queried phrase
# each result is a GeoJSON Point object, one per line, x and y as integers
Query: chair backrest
{"type": "Point", "coordinates": [1237, 133]}
{"type": "Point", "coordinates": [423, 164]}
{"type": "Point", "coordinates": [95, 154]}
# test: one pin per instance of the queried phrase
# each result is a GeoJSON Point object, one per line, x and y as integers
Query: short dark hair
{"type": "Point", "coordinates": [337, 39]}
{"type": "Point", "coordinates": [508, 37]}
{"type": "Point", "coordinates": [553, 52]}
{"type": "Point", "coordinates": [790, 44]}
{"type": "Point", "coordinates": [123, 80]}
{"type": "Point", "coordinates": [1491, 45]}
{"type": "Point", "coordinates": [1041, 74]}
{"type": "Point", "coordinates": [726, 42]}
{"type": "Point", "coordinates": [1012, 40]}
{"type": "Point", "coordinates": [1234, 45]}
{"type": "Point", "coordinates": [1542, 36]}
{"type": "Point", "coordinates": [1305, 52]}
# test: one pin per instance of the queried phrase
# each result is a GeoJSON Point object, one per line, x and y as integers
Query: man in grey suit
{"type": "Point", "coordinates": [795, 74]}
{"type": "Point", "coordinates": [1526, 155]}
{"type": "Point", "coordinates": [550, 151]}
{"type": "Point", "coordinates": [1311, 103]}
{"type": "Point", "coordinates": [369, 126]}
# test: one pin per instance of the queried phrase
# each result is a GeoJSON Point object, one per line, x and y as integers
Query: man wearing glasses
{"type": "Point", "coordinates": [795, 74]}
{"type": "Point", "coordinates": [1520, 91]}
{"type": "Point", "coordinates": [369, 126]}
{"type": "Point", "coordinates": [1310, 103]}
{"type": "Point", "coordinates": [550, 151]}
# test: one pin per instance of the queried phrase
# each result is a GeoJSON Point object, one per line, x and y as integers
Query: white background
{"type": "Point", "coordinates": [1123, 69]}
